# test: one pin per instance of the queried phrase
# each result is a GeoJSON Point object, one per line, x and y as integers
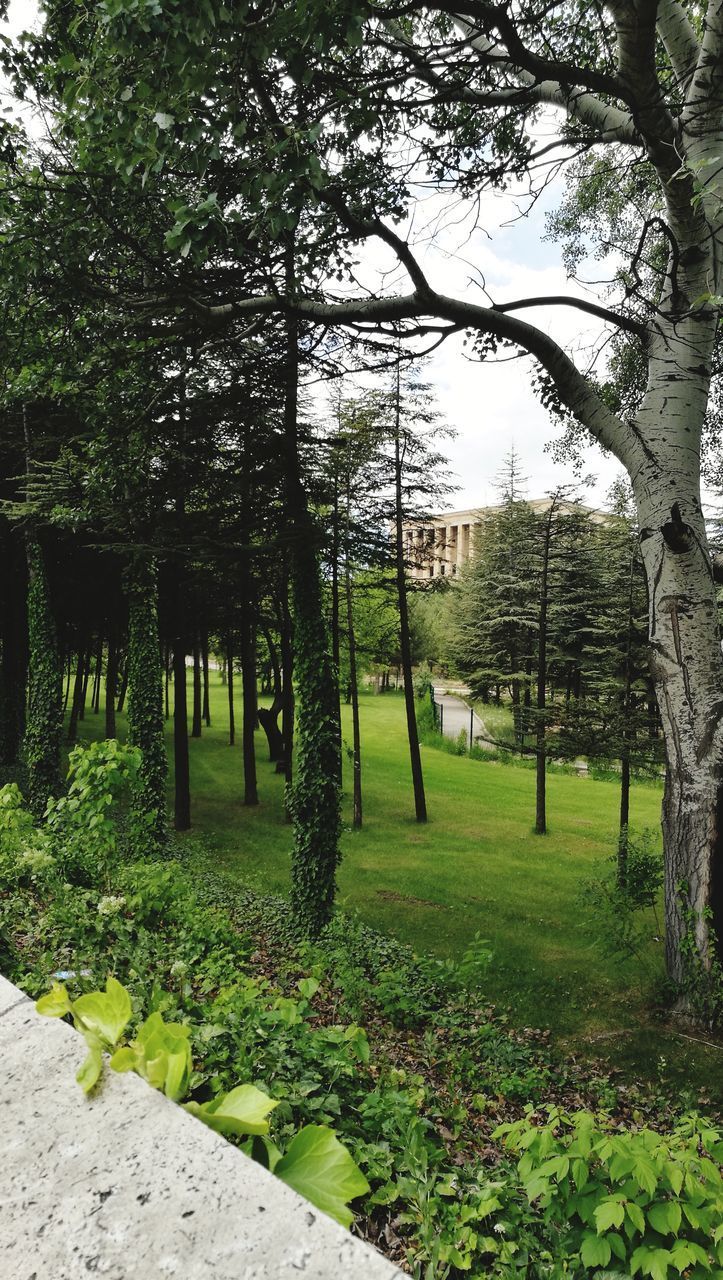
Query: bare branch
{"type": "Point", "coordinates": [628, 323]}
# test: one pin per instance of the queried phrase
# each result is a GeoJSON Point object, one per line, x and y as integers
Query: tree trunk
{"type": "Point", "coordinates": [197, 702]}
{"type": "Point", "coordinates": [269, 716]}
{"type": "Point", "coordinates": [405, 647]}
{"type": "Point", "coordinates": [181, 763]}
{"type": "Point", "coordinates": [13, 630]}
{"type": "Point", "coordinates": [356, 733]}
{"type": "Point", "coordinates": [206, 683]}
{"type": "Point", "coordinates": [626, 702]}
{"type": "Point", "coordinates": [540, 727]}
{"type": "Point", "coordinates": [287, 675]}
{"type": "Point", "coordinates": [67, 681]}
{"type": "Point", "coordinates": [95, 699]}
{"type": "Point", "coordinates": [316, 804]}
{"type": "Point", "coordinates": [123, 687]}
{"type": "Point", "coordinates": [145, 701]}
{"type": "Point", "coordinates": [111, 680]}
{"type": "Point", "coordinates": [166, 681]}
{"type": "Point", "coordinates": [686, 660]}
{"type": "Point", "coordinates": [248, 675]}
{"type": "Point", "coordinates": [43, 728]}
{"type": "Point", "coordinates": [77, 698]}
{"type": "Point", "coordinates": [228, 667]}
{"type": "Point", "coordinates": [88, 662]}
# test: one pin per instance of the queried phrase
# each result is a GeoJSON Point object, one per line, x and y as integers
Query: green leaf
{"type": "Point", "coordinates": [595, 1250]}
{"type": "Point", "coordinates": [636, 1216]}
{"type": "Point", "coordinates": [321, 1169]}
{"type": "Point", "coordinates": [665, 1217]}
{"type": "Point", "coordinates": [163, 120]}
{"type": "Point", "coordinates": [56, 1003]}
{"type": "Point", "coordinates": [123, 1059]}
{"type": "Point", "coordinates": [645, 1174]}
{"type": "Point", "coordinates": [609, 1213]}
{"type": "Point", "coordinates": [243, 1110]}
{"type": "Point", "coordinates": [162, 1055]}
{"type": "Point", "coordinates": [88, 1073]}
{"type": "Point", "coordinates": [105, 1013]}
{"type": "Point", "coordinates": [651, 1262]}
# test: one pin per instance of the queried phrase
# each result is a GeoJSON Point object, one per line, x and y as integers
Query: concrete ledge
{"type": "Point", "coordinates": [128, 1186]}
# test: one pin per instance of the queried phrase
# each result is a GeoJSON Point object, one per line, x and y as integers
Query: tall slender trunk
{"type": "Point", "coordinates": [166, 681]}
{"type": "Point", "coordinates": [181, 762]}
{"type": "Point", "coordinates": [77, 698]}
{"type": "Point", "coordinates": [248, 674]}
{"type": "Point", "coordinates": [625, 706]}
{"type": "Point", "coordinates": [67, 681]}
{"type": "Point", "coordinates": [111, 680]}
{"type": "Point", "coordinates": [87, 664]}
{"type": "Point", "coordinates": [287, 674]}
{"type": "Point", "coordinates": [405, 646]}
{"type": "Point", "coordinates": [540, 726]}
{"type": "Point", "coordinates": [197, 704]}
{"type": "Point", "coordinates": [231, 712]}
{"type": "Point", "coordinates": [353, 686]}
{"type": "Point", "coordinates": [95, 698]}
{"type": "Point", "coordinates": [206, 682]}
{"type": "Point", "coordinates": [335, 547]}
{"type": "Point", "coordinates": [269, 716]}
{"type": "Point", "coordinates": [123, 687]}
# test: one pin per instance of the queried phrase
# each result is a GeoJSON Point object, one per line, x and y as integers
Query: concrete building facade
{"type": "Point", "coordinates": [439, 546]}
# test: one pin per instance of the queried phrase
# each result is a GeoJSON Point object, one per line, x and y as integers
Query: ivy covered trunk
{"type": "Point", "coordinates": [315, 800]}
{"type": "Point", "coordinates": [44, 722]}
{"type": "Point", "coordinates": [13, 647]}
{"type": "Point", "coordinates": [145, 700]}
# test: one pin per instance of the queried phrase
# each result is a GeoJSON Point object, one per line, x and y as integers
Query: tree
{"type": "Point", "coordinates": [641, 80]}
{"type": "Point", "coordinates": [145, 700]}
{"type": "Point", "coordinates": [41, 743]}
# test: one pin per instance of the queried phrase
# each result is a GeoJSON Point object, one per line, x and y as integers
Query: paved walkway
{"type": "Point", "coordinates": [457, 716]}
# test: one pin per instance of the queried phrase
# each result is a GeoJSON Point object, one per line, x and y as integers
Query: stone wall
{"type": "Point", "coordinates": [128, 1186]}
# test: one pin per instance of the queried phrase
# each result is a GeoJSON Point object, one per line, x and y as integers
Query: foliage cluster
{"type": "Point", "coordinates": [398, 1053]}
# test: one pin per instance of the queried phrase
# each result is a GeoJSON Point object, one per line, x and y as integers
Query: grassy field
{"type": "Point", "coordinates": [476, 867]}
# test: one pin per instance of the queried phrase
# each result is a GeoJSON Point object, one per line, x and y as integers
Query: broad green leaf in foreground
{"type": "Point", "coordinates": [56, 1003]}
{"type": "Point", "coordinates": [321, 1169]}
{"type": "Point", "coordinates": [88, 1073]}
{"type": "Point", "coordinates": [106, 1013]}
{"type": "Point", "coordinates": [242, 1110]}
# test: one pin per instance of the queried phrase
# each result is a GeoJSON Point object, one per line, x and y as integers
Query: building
{"type": "Point", "coordinates": [439, 546]}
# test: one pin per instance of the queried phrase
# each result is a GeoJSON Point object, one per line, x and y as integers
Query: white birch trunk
{"type": "Point", "coordinates": [686, 658]}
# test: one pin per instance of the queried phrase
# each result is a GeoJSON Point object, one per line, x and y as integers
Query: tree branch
{"type": "Point", "coordinates": [680, 40]}
{"type": "Point", "coordinates": [704, 105]}
{"type": "Point", "coordinates": [628, 323]}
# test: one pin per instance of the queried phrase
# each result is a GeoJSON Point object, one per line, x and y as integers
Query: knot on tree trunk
{"type": "Point", "coordinates": [679, 537]}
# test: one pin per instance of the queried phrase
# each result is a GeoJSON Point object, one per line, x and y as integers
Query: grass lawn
{"type": "Point", "coordinates": [476, 867]}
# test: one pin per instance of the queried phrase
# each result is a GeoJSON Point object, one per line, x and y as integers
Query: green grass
{"type": "Point", "coordinates": [497, 719]}
{"type": "Point", "coordinates": [476, 867]}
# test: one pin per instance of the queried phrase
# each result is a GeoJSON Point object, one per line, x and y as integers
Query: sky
{"type": "Point", "coordinates": [491, 406]}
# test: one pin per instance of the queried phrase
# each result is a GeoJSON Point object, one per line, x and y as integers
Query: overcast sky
{"type": "Point", "coordinates": [492, 406]}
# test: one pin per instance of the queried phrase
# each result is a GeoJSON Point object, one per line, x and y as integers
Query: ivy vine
{"type": "Point", "coordinates": [44, 722]}
{"type": "Point", "coordinates": [145, 702]}
{"type": "Point", "coordinates": [315, 798]}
